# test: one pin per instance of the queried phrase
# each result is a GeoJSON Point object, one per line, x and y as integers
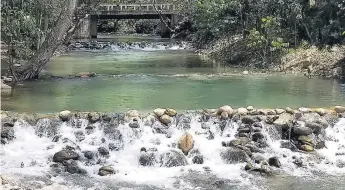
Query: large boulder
{"type": "Point", "coordinates": [170, 112]}
{"type": "Point", "coordinates": [302, 131]}
{"type": "Point", "coordinates": [280, 111]}
{"type": "Point", "coordinates": [339, 109]}
{"type": "Point", "coordinates": [249, 119]}
{"type": "Point", "coordinates": [65, 155]}
{"type": "Point", "coordinates": [242, 111]}
{"type": "Point", "coordinates": [159, 112]}
{"type": "Point", "coordinates": [132, 115]}
{"type": "Point", "coordinates": [227, 109]}
{"type": "Point", "coordinates": [165, 119]}
{"type": "Point", "coordinates": [173, 158]}
{"type": "Point", "coordinates": [274, 161]}
{"type": "Point", "coordinates": [186, 143]}
{"type": "Point", "coordinates": [284, 120]}
{"type": "Point", "coordinates": [316, 127]}
{"type": "Point", "coordinates": [106, 170]}
{"type": "Point", "coordinates": [65, 115]}
{"type": "Point", "coordinates": [306, 148]}
{"type": "Point", "coordinates": [234, 155]}
{"type": "Point", "coordinates": [321, 111]}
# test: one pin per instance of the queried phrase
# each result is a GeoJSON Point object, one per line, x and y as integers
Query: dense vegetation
{"type": "Point", "coordinates": [269, 27]}
{"type": "Point", "coordinates": [34, 29]}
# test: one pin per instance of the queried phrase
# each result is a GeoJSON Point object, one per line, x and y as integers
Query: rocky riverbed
{"type": "Point", "coordinates": [208, 149]}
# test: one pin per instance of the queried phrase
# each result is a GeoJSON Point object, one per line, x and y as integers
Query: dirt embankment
{"type": "Point", "coordinates": [328, 62]}
{"type": "Point", "coordinates": [311, 61]}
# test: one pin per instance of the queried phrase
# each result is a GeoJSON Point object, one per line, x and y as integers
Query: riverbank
{"type": "Point", "coordinates": [308, 61]}
{"type": "Point", "coordinates": [263, 148]}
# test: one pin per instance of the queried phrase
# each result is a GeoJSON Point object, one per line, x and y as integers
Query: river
{"type": "Point", "coordinates": [158, 76]}
{"type": "Point", "coordinates": [164, 76]}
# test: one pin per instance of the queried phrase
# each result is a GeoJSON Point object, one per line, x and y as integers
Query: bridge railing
{"type": "Point", "coordinates": [136, 8]}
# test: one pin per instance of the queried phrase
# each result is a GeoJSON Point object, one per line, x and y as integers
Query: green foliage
{"type": "Point", "coordinates": [25, 23]}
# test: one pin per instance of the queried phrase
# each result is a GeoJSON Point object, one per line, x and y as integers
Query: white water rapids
{"type": "Point", "coordinates": [31, 155]}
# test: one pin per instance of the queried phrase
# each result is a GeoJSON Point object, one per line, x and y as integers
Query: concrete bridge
{"type": "Point", "coordinates": [167, 12]}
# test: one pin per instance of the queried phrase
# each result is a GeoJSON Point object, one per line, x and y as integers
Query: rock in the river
{"type": "Point", "coordinates": [186, 143]}
{"type": "Point", "coordinates": [307, 148]}
{"type": "Point", "coordinates": [198, 159]}
{"type": "Point", "coordinates": [86, 74]}
{"type": "Point", "coordinates": [274, 161]}
{"type": "Point", "coordinates": [93, 117]}
{"type": "Point", "coordinates": [227, 109]}
{"type": "Point", "coordinates": [257, 136]}
{"type": "Point", "coordinates": [242, 111]}
{"type": "Point", "coordinates": [165, 119]}
{"type": "Point", "coordinates": [147, 159]}
{"type": "Point", "coordinates": [302, 131]}
{"type": "Point", "coordinates": [106, 170]}
{"type": "Point", "coordinates": [224, 115]}
{"type": "Point", "coordinates": [89, 155]}
{"type": "Point", "coordinates": [250, 108]}
{"type": "Point", "coordinates": [65, 115]}
{"type": "Point", "coordinates": [65, 155]}
{"type": "Point", "coordinates": [267, 111]}
{"type": "Point", "coordinates": [159, 112]}
{"type": "Point", "coordinates": [170, 112]}
{"type": "Point", "coordinates": [305, 110]}
{"type": "Point", "coordinates": [134, 124]}
{"type": "Point", "coordinates": [132, 114]}
{"type": "Point", "coordinates": [317, 128]}
{"type": "Point", "coordinates": [103, 151]}
{"type": "Point", "coordinates": [303, 138]}
{"type": "Point", "coordinates": [73, 168]}
{"type": "Point", "coordinates": [248, 166]}
{"type": "Point", "coordinates": [289, 110]}
{"type": "Point", "coordinates": [173, 158]}
{"type": "Point", "coordinates": [321, 111]}
{"type": "Point", "coordinates": [7, 133]}
{"type": "Point", "coordinates": [245, 72]}
{"type": "Point", "coordinates": [339, 109]}
{"type": "Point", "coordinates": [234, 155]}
{"type": "Point", "coordinates": [249, 119]}
{"type": "Point", "coordinates": [280, 111]}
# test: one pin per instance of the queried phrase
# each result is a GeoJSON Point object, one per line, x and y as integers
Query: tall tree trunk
{"type": "Point", "coordinates": [51, 43]}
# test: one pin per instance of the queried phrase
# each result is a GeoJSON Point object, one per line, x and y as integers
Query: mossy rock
{"type": "Point", "coordinates": [304, 139]}
{"type": "Point", "coordinates": [307, 148]}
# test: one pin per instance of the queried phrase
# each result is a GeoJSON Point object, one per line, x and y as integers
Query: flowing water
{"type": "Point", "coordinates": [27, 161]}
{"type": "Point", "coordinates": [162, 76]}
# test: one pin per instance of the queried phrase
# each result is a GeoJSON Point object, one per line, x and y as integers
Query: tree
{"type": "Point", "coordinates": [34, 29]}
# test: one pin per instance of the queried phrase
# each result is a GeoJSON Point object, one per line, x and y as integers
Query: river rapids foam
{"type": "Point", "coordinates": [28, 157]}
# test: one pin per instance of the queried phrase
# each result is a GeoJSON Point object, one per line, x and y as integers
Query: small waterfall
{"type": "Point", "coordinates": [118, 143]}
{"type": "Point", "coordinates": [117, 46]}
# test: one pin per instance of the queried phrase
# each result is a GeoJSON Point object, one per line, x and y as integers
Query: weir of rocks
{"type": "Point", "coordinates": [159, 147]}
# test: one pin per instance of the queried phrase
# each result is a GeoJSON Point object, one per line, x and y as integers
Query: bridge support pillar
{"type": "Point", "coordinates": [93, 26]}
{"type": "Point", "coordinates": [165, 32]}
